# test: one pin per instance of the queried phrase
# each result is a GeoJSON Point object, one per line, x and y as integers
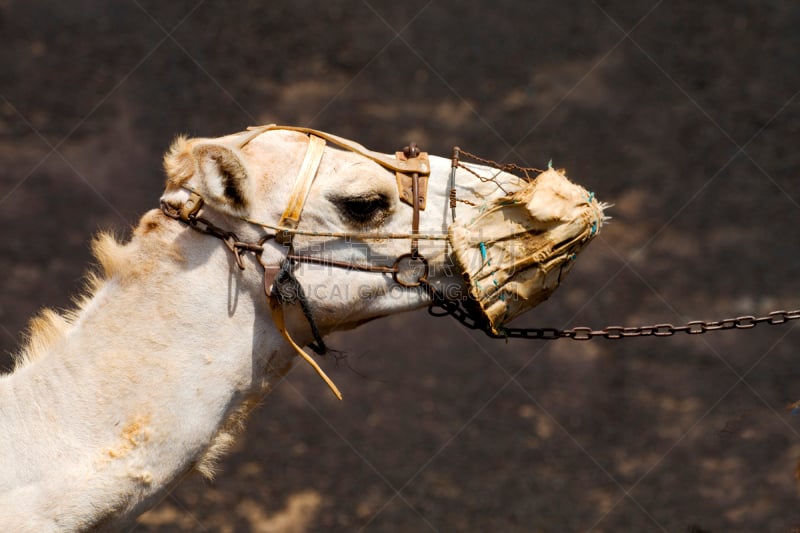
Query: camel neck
{"type": "Point", "coordinates": [125, 397]}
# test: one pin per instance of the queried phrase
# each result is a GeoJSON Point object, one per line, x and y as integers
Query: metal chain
{"type": "Point", "coordinates": [694, 327]}
{"type": "Point", "coordinates": [505, 167]}
{"type": "Point", "coordinates": [238, 248]}
{"type": "Point", "coordinates": [581, 333]}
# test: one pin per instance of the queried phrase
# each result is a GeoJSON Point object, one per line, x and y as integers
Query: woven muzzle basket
{"type": "Point", "coordinates": [517, 250]}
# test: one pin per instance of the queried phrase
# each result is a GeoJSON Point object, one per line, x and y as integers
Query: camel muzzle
{"type": "Point", "coordinates": [518, 249]}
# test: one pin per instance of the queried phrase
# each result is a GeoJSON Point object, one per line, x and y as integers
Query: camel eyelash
{"type": "Point", "coordinates": [364, 209]}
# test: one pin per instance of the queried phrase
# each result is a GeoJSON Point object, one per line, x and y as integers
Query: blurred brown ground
{"type": "Point", "coordinates": [683, 114]}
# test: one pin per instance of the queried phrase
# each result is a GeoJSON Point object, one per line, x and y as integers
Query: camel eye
{"type": "Point", "coordinates": [369, 209]}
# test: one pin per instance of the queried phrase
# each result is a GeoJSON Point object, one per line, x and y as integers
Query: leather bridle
{"type": "Point", "coordinates": [409, 270]}
{"type": "Point", "coordinates": [411, 167]}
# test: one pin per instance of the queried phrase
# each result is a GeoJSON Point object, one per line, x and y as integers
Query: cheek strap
{"type": "Point", "coordinates": [302, 185]}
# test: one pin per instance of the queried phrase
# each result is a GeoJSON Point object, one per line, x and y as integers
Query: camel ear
{"type": "Point", "coordinates": [215, 171]}
{"type": "Point", "coordinates": [222, 177]}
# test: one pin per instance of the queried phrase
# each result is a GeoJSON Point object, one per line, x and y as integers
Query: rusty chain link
{"type": "Point", "coordinates": [694, 327]}
{"type": "Point", "coordinates": [237, 248]}
{"type": "Point", "coordinates": [582, 333]}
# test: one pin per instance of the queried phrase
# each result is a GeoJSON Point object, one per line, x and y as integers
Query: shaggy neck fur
{"type": "Point", "coordinates": [150, 378]}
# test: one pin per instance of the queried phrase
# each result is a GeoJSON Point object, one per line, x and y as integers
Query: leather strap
{"type": "Point", "coordinates": [420, 166]}
{"type": "Point", "coordinates": [302, 185]}
{"type": "Point", "coordinates": [276, 309]}
{"type": "Point", "coordinates": [405, 180]}
{"type": "Point", "coordinates": [417, 194]}
{"type": "Point", "coordinates": [412, 169]}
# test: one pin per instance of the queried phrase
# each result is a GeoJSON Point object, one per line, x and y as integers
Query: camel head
{"type": "Point", "coordinates": [351, 212]}
{"type": "Point", "coordinates": [338, 220]}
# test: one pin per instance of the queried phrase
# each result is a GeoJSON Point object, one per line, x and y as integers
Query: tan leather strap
{"type": "Point", "coordinates": [419, 166]}
{"type": "Point", "coordinates": [276, 309]}
{"type": "Point", "coordinates": [302, 185]}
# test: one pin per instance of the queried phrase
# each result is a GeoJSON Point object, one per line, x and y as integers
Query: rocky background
{"type": "Point", "coordinates": [685, 115]}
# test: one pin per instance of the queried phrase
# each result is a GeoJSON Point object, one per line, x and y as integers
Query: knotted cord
{"type": "Point", "coordinates": [287, 289]}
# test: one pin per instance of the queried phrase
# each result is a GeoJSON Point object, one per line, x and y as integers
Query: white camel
{"type": "Point", "coordinates": [154, 373]}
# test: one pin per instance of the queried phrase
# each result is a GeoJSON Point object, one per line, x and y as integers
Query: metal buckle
{"type": "Point", "coordinates": [191, 207]}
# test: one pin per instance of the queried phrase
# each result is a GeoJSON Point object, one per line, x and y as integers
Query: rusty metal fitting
{"type": "Point", "coordinates": [411, 151]}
